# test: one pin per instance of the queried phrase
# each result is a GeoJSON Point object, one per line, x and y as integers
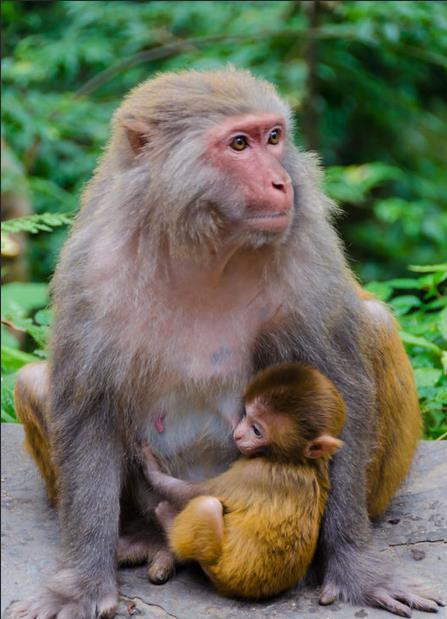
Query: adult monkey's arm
{"type": "Point", "coordinates": [81, 460]}
{"type": "Point", "coordinates": [89, 485]}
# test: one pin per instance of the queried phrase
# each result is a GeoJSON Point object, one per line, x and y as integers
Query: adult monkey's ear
{"type": "Point", "coordinates": [138, 133]}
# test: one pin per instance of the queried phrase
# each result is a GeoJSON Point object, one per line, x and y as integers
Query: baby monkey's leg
{"type": "Point", "coordinates": [166, 514]}
{"type": "Point", "coordinates": [196, 533]}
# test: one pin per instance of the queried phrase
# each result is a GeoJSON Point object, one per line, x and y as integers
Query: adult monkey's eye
{"type": "Point", "coordinates": [239, 142]}
{"type": "Point", "coordinates": [274, 136]}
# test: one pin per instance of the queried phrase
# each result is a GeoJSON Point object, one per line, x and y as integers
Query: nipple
{"type": "Point", "coordinates": [159, 422]}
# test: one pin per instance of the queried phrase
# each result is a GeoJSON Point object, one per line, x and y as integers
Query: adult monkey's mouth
{"type": "Point", "coordinates": [275, 221]}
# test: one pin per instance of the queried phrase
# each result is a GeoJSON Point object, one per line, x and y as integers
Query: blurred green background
{"type": "Point", "coordinates": [367, 82]}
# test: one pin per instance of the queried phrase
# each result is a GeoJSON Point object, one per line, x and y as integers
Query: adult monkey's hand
{"type": "Point", "coordinates": [204, 251]}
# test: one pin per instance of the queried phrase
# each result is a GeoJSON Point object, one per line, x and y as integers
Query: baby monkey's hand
{"type": "Point", "coordinates": [149, 459]}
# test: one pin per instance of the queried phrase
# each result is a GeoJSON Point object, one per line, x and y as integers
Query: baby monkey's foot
{"type": "Point", "coordinates": [162, 567]}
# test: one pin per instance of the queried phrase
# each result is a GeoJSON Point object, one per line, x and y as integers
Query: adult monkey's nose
{"type": "Point", "coordinates": [279, 185]}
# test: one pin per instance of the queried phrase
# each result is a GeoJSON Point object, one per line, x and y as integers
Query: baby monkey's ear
{"type": "Point", "coordinates": [324, 445]}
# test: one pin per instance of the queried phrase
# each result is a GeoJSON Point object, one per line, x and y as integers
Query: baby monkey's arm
{"type": "Point", "coordinates": [175, 490]}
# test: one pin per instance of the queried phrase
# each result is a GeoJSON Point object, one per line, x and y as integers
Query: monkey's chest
{"type": "Point", "coordinates": [205, 362]}
{"type": "Point", "coordinates": [204, 369]}
{"type": "Point", "coordinates": [191, 432]}
{"type": "Point", "coordinates": [215, 348]}
{"type": "Point", "coordinates": [209, 336]}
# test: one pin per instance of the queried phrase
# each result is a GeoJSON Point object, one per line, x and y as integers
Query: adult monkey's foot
{"type": "Point", "coordinates": [66, 598]}
{"type": "Point", "coordinates": [364, 580]}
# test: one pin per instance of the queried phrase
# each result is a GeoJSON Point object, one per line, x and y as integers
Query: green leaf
{"type": "Point", "coordinates": [429, 268]}
{"type": "Point", "coordinates": [435, 304]}
{"type": "Point", "coordinates": [442, 323]}
{"type": "Point", "coordinates": [427, 377]}
{"type": "Point", "coordinates": [441, 392]}
{"type": "Point", "coordinates": [43, 222]}
{"type": "Point", "coordinates": [39, 334]}
{"type": "Point", "coordinates": [382, 290]}
{"type": "Point", "coordinates": [8, 338]}
{"type": "Point", "coordinates": [13, 359]}
{"type": "Point", "coordinates": [44, 317]}
{"type": "Point", "coordinates": [404, 283]}
{"type": "Point", "coordinates": [404, 304]}
{"type": "Point", "coordinates": [351, 184]}
{"type": "Point", "coordinates": [7, 398]}
{"type": "Point", "coordinates": [413, 340]}
{"type": "Point", "coordinates": [20, 298]}
{"type": "Point", "coordinates": [431, 282]}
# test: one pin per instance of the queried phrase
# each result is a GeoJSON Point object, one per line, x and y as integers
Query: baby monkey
{"type": "Point", "coordinates": [254, 528]}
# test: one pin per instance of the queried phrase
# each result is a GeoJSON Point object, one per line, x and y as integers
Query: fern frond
{"type": "Point", "coordinates": [40, 222]}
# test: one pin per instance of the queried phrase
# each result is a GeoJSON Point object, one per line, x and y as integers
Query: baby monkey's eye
{"type": "Point", "coordinates": [256, 431]}
{"type": "Point", "coordinates": [274, 136]}
{"type": "Point", "coordinates": [239, 142]}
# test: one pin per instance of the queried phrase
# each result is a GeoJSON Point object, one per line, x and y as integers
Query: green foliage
{"type": "Point", "coordinates": [35, 223]}
{"type": "Point", "coordinates": [32, 224]}
{"type": "Point", "coordinates": [25, 324]}
{"type": "Point", "coordinates": [420, 305]}
{"type": "Point", "coordinates": [379, 107]}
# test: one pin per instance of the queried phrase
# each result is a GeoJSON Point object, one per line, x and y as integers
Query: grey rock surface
{"type": "Point", "coordinates": [413, 534]}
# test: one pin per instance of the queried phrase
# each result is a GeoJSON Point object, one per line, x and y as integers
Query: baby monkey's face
{"type": "Point", "coordinates": [252, 432]}
{"type": "Point", "coordinates": [262, 426]}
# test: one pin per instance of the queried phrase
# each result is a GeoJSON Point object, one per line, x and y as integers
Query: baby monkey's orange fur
{"type": "Point", "coordinates": [254, 528]}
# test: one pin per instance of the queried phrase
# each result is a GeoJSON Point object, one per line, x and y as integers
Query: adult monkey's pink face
{"type": "Point", "coordinates": [248, 150]}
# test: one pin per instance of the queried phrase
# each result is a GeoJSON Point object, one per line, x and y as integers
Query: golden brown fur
{"type": "Point", "coordinates": [398, 417]}
{"type": "Point", "coordinates": [272, 516]}
{"type": "Point", "coordinates": [30, 404]}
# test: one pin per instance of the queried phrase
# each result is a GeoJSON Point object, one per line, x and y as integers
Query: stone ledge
{"type": "Point", "coordinates": [413, 534]}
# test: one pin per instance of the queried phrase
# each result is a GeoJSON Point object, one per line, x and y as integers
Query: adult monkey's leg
{"type": "Point", "coordinates": [31, 404]}
{"type": "Point", "coordinates": [87, 454]}
{"type": "Point", "coordinates": [399, 421]}
{"type": "Point", "coordinates": [387, 428]}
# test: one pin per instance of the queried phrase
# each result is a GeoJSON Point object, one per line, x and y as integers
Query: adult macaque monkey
{"type": "Point", "coordinates": [204, 252]}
